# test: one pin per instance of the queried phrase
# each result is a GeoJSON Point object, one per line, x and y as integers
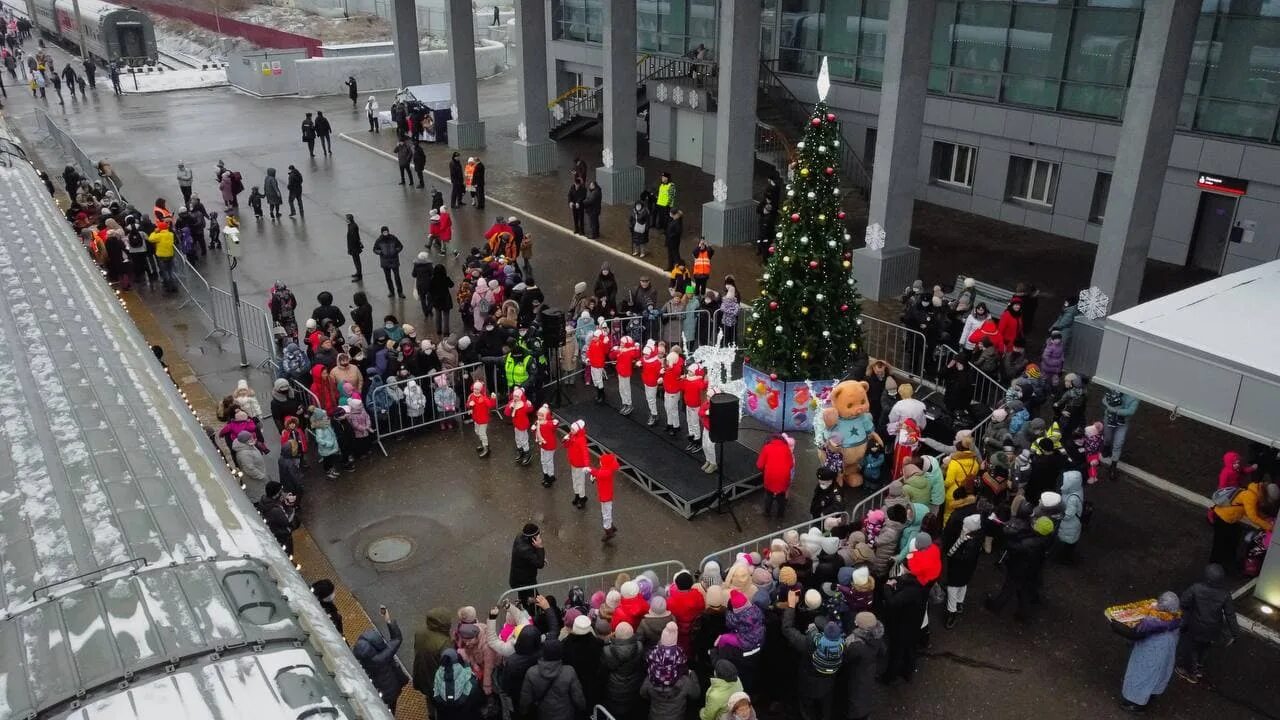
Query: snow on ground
{"type": "Point", "coordinates": [357, 29]}
{"type": "Point", "coordinates": [173, 80]}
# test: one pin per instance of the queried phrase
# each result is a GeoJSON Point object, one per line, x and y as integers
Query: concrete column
{"type": "Point", "coordinates": [621, 178]}
{"type": "Point", "coordinates": [404, 31]}
{"type": "Point", "coordinates": [466, 130]}
{"type": "Point", "coordinates": [1150, 117]}
{"type": "Point", "coordinates": [882, 272]}
{"type": "Point", "coordinates": [730, 218]}
{"type": "Point", "coordinates": [535, 153]}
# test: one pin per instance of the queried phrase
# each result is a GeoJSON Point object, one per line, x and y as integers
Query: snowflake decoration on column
{"type": "Point", "coordinates": [693, 100]}
{"type": "Point", "coordinates": [677, 95]}
{"type": "Point", "coordinates": [453, 109]}
{"type": "Point", "coordinates": [875, 237]}
{"type": "Point", "coordinates": [522, 132]}
{"type": "Point", "coordinates": [662, 92]}
{"type": "Point", "coordinates": [557, 112]}
{"type": "Point", "coordinates": [719, 190]}
{"type": "Point", "coordinates": [1094, 303]}
{"type": "Point", "coordinates": [606, 156]}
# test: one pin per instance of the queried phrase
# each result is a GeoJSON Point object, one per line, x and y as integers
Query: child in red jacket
{"type": "Point", "coordinates": [624, 357]}
{"type": "Point", "coordinates": [521, 414]}
{"type": "Point", "coordinates": [545, 427]}
{"type": "Point", "coordinates": [597, 357]}
{"type": "Point", "coordinates": [440, 232]}
{"type": "Point", "coordinates": [693, 386]}
{"type": "Point", "coordinates": [708, 447]}
{"type": "Point", "coordinates": [671, 372]}
{"type": "Point", "coordinates": [575, 446]}
{"type": "Point", "coordinates": [603, 478]}
{"type": "Point", "coordinates": [777, 464]}
{"type": "Point", "coordinates": [650, 373]}
{"type": "Point", "coordinates": [481, 405]}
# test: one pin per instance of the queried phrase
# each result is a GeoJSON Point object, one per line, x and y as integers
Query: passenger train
{"type": "Point", "coordinates": [112, 33]}
{"type": "Point", "coordinates": [137, 580]}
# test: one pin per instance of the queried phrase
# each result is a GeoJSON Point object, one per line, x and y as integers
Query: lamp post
{"type": "Point", "coordinates": [233, 257]}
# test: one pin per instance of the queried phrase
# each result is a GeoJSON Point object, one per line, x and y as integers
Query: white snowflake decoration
{"type": "Point", "coordinates": [1094, 303]}
{"type": "Point", "coordinates": [453, 109]}
{"type": "Point", "coordinates": [662, 92]}
{"type": "Point", "coordinates": [606, 156]}
{"type": "Point", "coordinates": [875, 237]}
{"type": "Point", "coordinates": [557, 112]}
{"type": "Point", "coordinates": [719, 190]}
{"type": "Point", "coordinates": [719, 359]}
{"type": "Point", "coordinates": [677, 95]}
{"type": "Point", "coordinates": [693, 100]}
{"type": "Point", "coordinates": [522, 132]}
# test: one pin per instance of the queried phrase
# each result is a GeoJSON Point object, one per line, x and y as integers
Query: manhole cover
{"type": "Point", "coordinates": [390, 549]}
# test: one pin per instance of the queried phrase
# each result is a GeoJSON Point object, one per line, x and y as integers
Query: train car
{"type": "Point", "coordinates": [137, 580]}
{"type": "Point", "coordinates": [112, 33]}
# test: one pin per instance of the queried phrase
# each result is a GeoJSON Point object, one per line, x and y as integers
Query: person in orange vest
{"type": "Point", "coordinates": [702, 265]}
{"type": "Point", "coordinates": [162, 212]}
{"type": "Point", "coordinates": [708, 447]}
{"type": "Point", "coordinates": [624, 357]}
{"type": "Point", "coordinates": [545, 427]}
{"type": "Point", "coordinates": [575, 446]}
{"type": "Point", "coordinates": [671, 372]}
{"type": "Point", "coordinates": [603, 478]}
{"type": "Point", "coordinates": [597, 357]}
{"type": "Point", "coordinates": [650, 372]}
{"type": "Point", "coordinates": [521, 414]}
{"type": "Point", "coordinates": [468, 178]}
{"type": "Point", "coordinates": [481, 405]}
{"type": "Point", "coordinates": [693, 386]}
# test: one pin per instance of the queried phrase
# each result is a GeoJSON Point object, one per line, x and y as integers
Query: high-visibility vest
{"type": "Point", "coordinates": [517, 371]}
{"type": "Point", "coordinates": [702, 264]}
{"type": "Point", "coordinates": [664, 195]}
{"type": "Point", "coordinates": [467, 172]}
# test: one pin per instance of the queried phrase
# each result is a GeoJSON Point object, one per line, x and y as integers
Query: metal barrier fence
{"type": "Point", "coordinates": [734, 334]}
{"type": "Point", "coordinates": [604, 581]}
{"type": "Point", "coordinates": [726, 556]}
{"type": "Point", "coordinates": [903, 348]}
{"type": "Point", "coordinates": [72, 149]}
{"type": "Point", "coordinates": [600, 713]}
{"type": "Point", "coordinates": [987, 391]}
{"type": "Point", "coordinates": [399, 418]}
{"type": "Point", "coordinates": [255, 321]}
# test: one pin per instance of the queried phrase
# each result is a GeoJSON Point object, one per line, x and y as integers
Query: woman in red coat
{"type": "Point", "coordinates": [1011, 322]}
{"type": "Point", "coordinates": [603, 477]}
{"type": "Point", "coordinates": [777, 463]}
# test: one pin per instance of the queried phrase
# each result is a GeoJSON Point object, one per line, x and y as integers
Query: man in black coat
{"type": "Point", "coordinates": [1206, 609]}
{"type": "Point", "coordinates": [362, 314]}
{"type": "Point", "coordinates": [456, 184]}
{"type": "Point", "coordinates": [377, 655]}
{"type": "Point", "coordinates": [388, 248]}
{"type": "Point", "coordinates": [309, 134]}
{"type": "Point", "coordinates": [354, 247]}
{"type": "Point", "coordinates": [323, 131]}
{"type": "Point", "coordinates": [527, 558]}
{"type": "Point", "coordinates": [477, 182]}
{"type": "Point", "coordinates": [673, 230]}
{"type": "Point", "coordinates": [1025, 558]}
{"type": "Point", "coordinates": [294, 185]}
{"type": "Point", "coordinates": [905, 606]}
{"type": "Point", "coordinates": [419, 162]}
{"type": "Point", "coordinates": [326, 311]}
{"type": "Point", "coordinates": [325, 592]}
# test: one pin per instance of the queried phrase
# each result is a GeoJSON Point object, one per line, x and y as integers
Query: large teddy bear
{"type": "Point", "coordinates": [848, 415]}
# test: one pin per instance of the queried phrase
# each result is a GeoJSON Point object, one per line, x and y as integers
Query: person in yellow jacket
{"type": "Point", "coordinates": [163, 240]}
{"type": "Point", "coordinates": [963, 469]}
{"type": "Point", "coordinates": [1247, 504]}
{"type": "Point", "coordinates": [664, 201]}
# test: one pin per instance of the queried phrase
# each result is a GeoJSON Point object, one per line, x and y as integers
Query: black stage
{"type": "Point", "coordinates": [654, 460]}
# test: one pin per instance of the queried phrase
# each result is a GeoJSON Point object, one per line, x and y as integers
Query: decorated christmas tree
{"type": "Point", "coordinates": [807, 321]}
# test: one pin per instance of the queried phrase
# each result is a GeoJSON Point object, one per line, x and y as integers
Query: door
{"type": "Point", "coordinates": [1212, 231]}
{"type": "Point", "coordinates": [689, 137]}
{"type": "Point", "coordinates": [130, 41]}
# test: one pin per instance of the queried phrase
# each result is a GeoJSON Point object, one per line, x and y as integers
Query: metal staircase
{"type": "Point", "coordinates": [582, 107]}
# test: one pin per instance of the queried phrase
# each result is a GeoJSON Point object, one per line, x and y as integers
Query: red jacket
{"type": "Point", "coordinates": [988, 331]}
{"type": "Point", "coordinates": [547, 439]}
{"type": "Point", "coordinates": [626, 360]}
{"type": "Point", "coordinates": [576, 446]}
{"type": "Point", "coordinates": [651, 370]}
{"type": "Point", "coordinates": [693, 387]}
{"type": "Point", "coordinates": [598, 351]}
{"type": "Point", "coordinates": [442, 228]}
{"type": "Point", "coordinates": [776, 463]}
{"type": "Point", "coordinates": [686, 607]}
{"type": "Point", "coordinates": [1010, 328]}
{"type": "Point", "coordinates": [926, 565]}
{"type": "Point", "coordinates": [521, 419]}
{"type": "Point", "coordinates": [704, 414]}
{"type": "Point", "coordinates": [603, 476]}
{"type": "Point", "coordinates": [630, 610]}
{"type": "Point", "coordinates": [480, 406]}
{"type": "Point", "coordinates": [671, 376]}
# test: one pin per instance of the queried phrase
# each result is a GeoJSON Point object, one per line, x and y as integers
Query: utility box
{"type": "Point", "coordinates": [265, 73]}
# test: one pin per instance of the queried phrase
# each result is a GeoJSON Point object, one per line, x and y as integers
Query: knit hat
{"type": "Point", "coordinates": [1043, 526]}
{"type": "Point", "coordinates": [582, 625]}
{"type": "Point", "coordinates": [629, 589]}
{"type": "Point", "coordinates": [423, 257]}
{"type": "Point", "coordinates": [737, 599]}
{"type": "Point", "coordinates": [602, 628]}
{"type": "Point", "coordinates": [761, 577]}
{"type": "Point", "coordinates": [530, 530]}
{"type": "Point", "coordinates": [597, 599]}
{"type": "Point", "coordinates": [895, 487]}
{"type": "Point", "coordinates": [726, 671]}
{"type": "Point", "coordinates": [1050, 499]}
{"type": "Point", "coordinates": [787, 576]}
{"type": "Point", "coordinates": [670, 634]}
{"type": "Point", "coordinates": [864, 620]}
{"type": "Point", "coordinates": [862, 579]}
{"type": "Point", "coordinates": [921, 541]}
{"type": "Point", "coordinates": [684, 580]}
{"type": "Point", "coordinates": [736, 698]}
{"type": "Point", "coordinates": [658, 606]}
{"type": "Point", "coordinates": [812, 599]}
{"type": "Point", "coordinates": [613, 599]}
{"type": "Point", "coordinates": [832, 631]}
{"type": "Point", "coordinates": [624, 631]}
{"type": "Point", "coordinates": [468, 631]}
{"type": "Point", "coordinates": [862, 553]}
{"type": "Point", "coordinates": [570, 616]}
{"type": "Point", "coordinates": [715, 596]}
{"type": "Point", "coordinates": [244, 436]}
{"type": "Point", "coordinates": [467, 614]}
{"type": "Point", "coordinates": [323, 589]}
{"type": "Point", "coordinates": [280, 385]}
{"type": "Point", "coordinates": [552, 649]}
{"type": "Point", "coordinates": [273, 488]}
{"type": "Point", "coordinates": [999, 414]}
{"type": "Point", "coordinates": [844, 576]}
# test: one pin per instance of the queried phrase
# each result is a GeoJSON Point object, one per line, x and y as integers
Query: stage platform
{"type": "Point", "coordinates": [654, 460]}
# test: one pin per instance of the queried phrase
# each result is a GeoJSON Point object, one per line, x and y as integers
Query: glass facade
{"type": "Point", "coordinates": [672, 27]}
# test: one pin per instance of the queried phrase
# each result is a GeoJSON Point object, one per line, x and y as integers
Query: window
{"type": "Point", "coordinates": [1101, 190]}
{"type": "Point", "coordinates": [953, 164]}
{"type": "Point", "coordinates": [1033, 181]}
{"type": "Point", "coordinates": [869, 148]}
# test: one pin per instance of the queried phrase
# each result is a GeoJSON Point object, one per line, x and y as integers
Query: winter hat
{"type": "Point", "coordinates": [602, 628]}
{"type": "Point", "coordinates": [1050, 499]}
{"type": "Point", "coordinates": [761, 577]}
{"type": "Point", "coordinates": [670, 634]}
{"type": "Point", "coordinates": [273, 488]}
{"type": "Point", "coordinates": [711, 573]}
{"type": "Point", "coordinates": [910, 470]}
{"type": "Point", "coordinates": [464, 342]}
{"type": "Point", "coordinates": [737, 600]}
{"type": "Point", "coordinates": [921, 541]}
{"type": "Point", "coordinates": [613, 599]}
{"type": "Point", "coordinates": [552, 649]}
{"type": "Point", "coordinates": [311, 323]}
{"type": "Point", "coordinates": [468, 631]}
{"type": "Point", "coordinates": [862, 579]}
{"type": "Point", "coordinates": [787, 576]}
{"type": "Point", "coordinates": [280, 385]}
{"type": "Point", "coordinates": [862, 553]}
{"type": "Point", "coordinates": [582, 625]}
{"type": "Point", "coordinates": [726, 671]}
{"type": "Point", "coordinates": [891, 386]}
{"type": "Point", "coordinates": [844, 576]}
{"type": "Point", "coordinates": [684, 580]}
{"type": "Point", "coordinates": [715, 596]}
{"type": "Point", "coordinates": [624, 631]}
{"type": "Point", "coordinates": [530, 530]}
{"type": "Point", "coordinates": [658, 606]}
{"type": "Point", "coordinates": [791, 537]}
{"type": "Point", "coordinates": [323, 589]}
{"type": "Point", "coordinates": [1043, 526]}
{"type": "Point", "coordinates": [864, 620]}
{"type": "Point", "coordinates": [597, 599]}
{"type": "Point", "coordinates": [999, 414]}
{"type": "Point", "coordinates": [630, 589]}
{"type": "Point", "coordinates": [467, 614]}
{"type": "Point", "coordinates": [812, 599]}
{"type": "Point", "coordinates": [832, 631]}
{"type": "Point", "coordinates": [423, 257]}
{"type": "Point", "coordinates": [244, 436]}
{"type": "Point", "coordinates": [570, 616]}
{"type": "Point", "coordinates": [895, 487]}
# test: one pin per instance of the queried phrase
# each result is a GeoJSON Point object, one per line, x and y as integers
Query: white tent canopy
{"type": "Point", "coordinates": [1210, 353]}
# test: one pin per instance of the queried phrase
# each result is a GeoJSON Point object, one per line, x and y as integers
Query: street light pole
{"type": "Point", "coordinates": [233, 256]}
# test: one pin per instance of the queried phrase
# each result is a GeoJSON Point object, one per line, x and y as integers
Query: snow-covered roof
{"type": "Point", "coordinates": [1210, 352]}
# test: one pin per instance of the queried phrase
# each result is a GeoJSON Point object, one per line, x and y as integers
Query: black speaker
{"type": "Point", "coordinates": [552, 322]}
{"type": "Point", "coordinates": [724, 418]}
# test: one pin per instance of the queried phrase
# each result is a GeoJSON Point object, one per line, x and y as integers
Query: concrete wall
{"type": "Point", "coordinates": [324, 76]}
{"type": "Point", "coordinates": [430, 13]}
{"type": "Point", "coordinates": [667, 124]}
{"type": "Point", "coordinates": [245, 71]}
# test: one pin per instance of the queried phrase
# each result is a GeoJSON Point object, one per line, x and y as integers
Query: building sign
{"type": "Point", "coordinates": [275, 67]}
{"type": "Point", "coordinates": [1222, 184]}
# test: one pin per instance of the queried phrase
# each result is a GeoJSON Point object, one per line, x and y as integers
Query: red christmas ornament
{"type": "Point", "coordinates": [795, 217]}
{"type": "Point", "coordinates": [844, 308]}
{"type": "Point", "coordinates": [773, 249]}
{"type": "Point", "coordinates": [831, 171]}
{"type": "Point", "coordinates": [840, 214]}
{"type": "Point", "coordinates": [746, 358]}
{"type": "Point", "coordinates": [773, 376]}
{"type": "Point", "coordinates": [815, 122]}
{"type": "Point", "coordinates": [773, 305]}
{"type": "Point", "coordinates": [813, 264]}
{"type": "Point", "coordinates": [831, 117]}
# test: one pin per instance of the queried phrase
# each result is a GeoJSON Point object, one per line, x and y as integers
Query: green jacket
{"type": "Point", "coordinates": [718, 698]}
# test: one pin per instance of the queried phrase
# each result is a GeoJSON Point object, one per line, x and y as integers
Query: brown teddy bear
{"type": "Point", "coordinates": [849, 424]}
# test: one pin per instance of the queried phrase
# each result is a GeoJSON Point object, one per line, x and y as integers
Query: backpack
{"type": "Point", "coordinates": [1222, 497]}
{"type": "Point", "coordinates": [136, 240]}
{"type": "Point", "coordinates": [237, 184]}
{"type": "Point", "coordinates": [827, 655]}
{"type": "Point", "coordinates": [186, 242]}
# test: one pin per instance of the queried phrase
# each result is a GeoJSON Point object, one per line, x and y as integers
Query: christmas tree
{"type": "Point", "coordinates": [806, 323]}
